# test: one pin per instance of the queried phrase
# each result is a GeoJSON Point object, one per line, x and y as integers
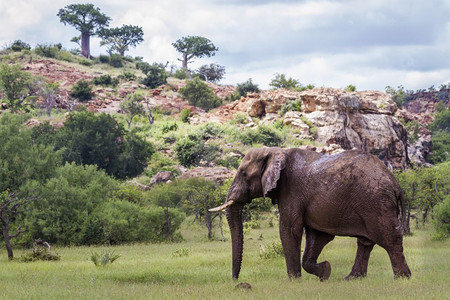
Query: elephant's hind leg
{"type": "Point", "coordinates": [359, 269]}
{"type": "Point", "coordinates": [315, 241]}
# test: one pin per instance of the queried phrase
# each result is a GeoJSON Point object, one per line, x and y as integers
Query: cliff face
{"type": "Point", "coordinates": [351, 120]}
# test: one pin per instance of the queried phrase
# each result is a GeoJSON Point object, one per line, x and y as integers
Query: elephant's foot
{"type": "Point", "coordinates": [325, 271]}
{"type": "Point", "coordinates": [353, 276]}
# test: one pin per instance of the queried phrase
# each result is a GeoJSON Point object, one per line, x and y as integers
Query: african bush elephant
{"type": "Point", "coordinates": [346, 194]}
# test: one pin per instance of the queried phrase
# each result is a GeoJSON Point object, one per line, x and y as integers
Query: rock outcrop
{"type": "Point", "coordinates": [353, 120]}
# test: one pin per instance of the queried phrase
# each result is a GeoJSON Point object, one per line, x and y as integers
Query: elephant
{"type": "Point", "coordinates": [351, 193]}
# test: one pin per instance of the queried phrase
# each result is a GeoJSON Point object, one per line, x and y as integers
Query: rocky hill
{"type": "Point", "coordinates": [335, 119]}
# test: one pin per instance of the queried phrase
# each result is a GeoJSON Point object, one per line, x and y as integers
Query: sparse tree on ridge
{"type": "Point", "coordinates": [212, 72]}
{"type": "Point", "coordinates": [120, 39]}
{"type": "Point", "coordinates": [85, 18]}
{"type": "Point", "coordinates": [194, 46]}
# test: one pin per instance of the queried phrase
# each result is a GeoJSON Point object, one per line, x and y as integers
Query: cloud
{"type": "Point", "coordinates": [370, 44]}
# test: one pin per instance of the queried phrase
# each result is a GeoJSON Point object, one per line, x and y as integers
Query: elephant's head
{"type": "Point", "coordinates": [257, 175]}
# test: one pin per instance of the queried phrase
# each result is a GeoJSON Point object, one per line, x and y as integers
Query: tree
{"type": "Point", "coordinates": [201, 195]}
{"type": "Point", "coordinates": [198, 93]}
{"type": "Point", "coordinates": [212, 72]}
{"type": "Point", "coordinates": [280, 81]}
{"type": "Point", "coordinates": [132, 106]}
{"type": "Point", "coordinates": [85, 18]}
{"type": "Point", "coordinates": [14, 83]}
{"type": "Point", "coordinates": [246, 87]}
{"type": "Point", "coordinates": [49, 93]}
{"type": "Point", "coordinates": [23, 165]}
{"type": "Point", "coordinates": [120, 39]}
{"type": "Point", "coordinates": [98, 139]}
{"type": "Point", "coordinates": [194, 46]}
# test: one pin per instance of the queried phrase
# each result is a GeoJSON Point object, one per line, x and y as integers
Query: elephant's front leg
{"type": "Point", "coordinates": [291, 238]}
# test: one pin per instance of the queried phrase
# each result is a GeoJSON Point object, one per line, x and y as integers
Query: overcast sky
{"type": "Point", "coordinates": [367, 43]}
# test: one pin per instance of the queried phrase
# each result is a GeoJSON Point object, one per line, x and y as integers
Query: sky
{"type": "Point", "coordinates": [367, 43]}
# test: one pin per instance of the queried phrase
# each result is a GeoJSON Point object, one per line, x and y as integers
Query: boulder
{"type": "Point", "coordinates": [216, 174]}
{"type": "Point", "coordinates": [160, 177]}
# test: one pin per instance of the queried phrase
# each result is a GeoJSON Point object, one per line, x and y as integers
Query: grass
{"type": "Point", "coordinates": [153, 271]}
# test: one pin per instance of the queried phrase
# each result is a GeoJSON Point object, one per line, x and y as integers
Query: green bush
{"type": "Point", "coordinates": [293, 105]}
{"type": "Point", "coordinates": [104, 258]}
{"type": "Point", "coordinates": [105, 80]}
{"type": "Point", "coordinates": [199, 94]}
{"type": "Point", "coordinates": [185, 114]}
{"type": "Point", "coordinates": [440, 129]}
{"type": "Point", "coordinates": [48, 50]}
{"type": "Point", "coordinates": [19, 45]}
{"type": "Point", "coordinates": [169, 127]}
{"type": "Point", "coordinates": [191, 151]}
{"type": "Point", "coordinates": [82, 91]}
{"type": "Point", "coordinates": [104, 59]}
{"type": "Point", "coordinates": [273, 250]}
{"type": "Point", "coordinates": [350, 88]}
{"type": "Point", "coordinates": [116, 61]}
{"type": "Point", "coordinates": [262, 135]}
{"type": "Point", "coordinates": [247, 87]}
{"type": "Point", "coordinates": [181, 74]}
{"type": "Point", "coordinates": [230, 162]}
{"type": "Point", "coordinates": [128, 76]}
{"type": "Point", "coordinates": [156, 76]}
{"type": "Point", "coordinates": [441, 219]}
{"type": "Point", "coordinates": [85, 62]}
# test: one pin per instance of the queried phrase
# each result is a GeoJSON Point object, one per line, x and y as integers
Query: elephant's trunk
{"type": "Point", "coordinates": [234, 217]}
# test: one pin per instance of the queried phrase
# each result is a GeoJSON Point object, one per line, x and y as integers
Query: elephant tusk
{"type": "Point", "coordinates": [222, 207]}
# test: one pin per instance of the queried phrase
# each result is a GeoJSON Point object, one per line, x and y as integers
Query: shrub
{"type": "Point", "coordinates": [105, 258]}
{"type": "Point", "coordinates": [240, 118]}
{"type": "Point", "coordinates": [39, 253]}
{"type": "Point", "coordinates": [104, 59]}
{"type": "Point", "coordinates": [116, 61]}
{"type": "Point", "coordinates": [47, 50]}
{"type": "Point", "coordinates": [247, 87]}
{"type": "Point", "coordinates": [230, 162]}
{"type": "Point", "coordinates": [156, 76]}
{"type": "Point", "coordinates": [82, 90]}
{"type": "Point", "coordinates": [441, 219]}
{"type": "Point", "coordinates": [198, 93]}
{"type": "Point", "coordinates": [182, 252]}
{"type": "Point", "coordinates": [270, 251]}
{"type": "Point", "coordinates": [128, 76]}
{"type": "Point", "coordinates": [14, 84]}
{"type": "Point", "coordinates": [350, 88]}
{"type": "Point", "coordinates": [185, 114]}
{"type": "Point", "coordinates": [85, 62]}
{"type": "Point", "coordinates": [181, 74]}
{"type": "Point", "coordinates": [169, 127]}
{"type": "Point", "coordinates": [293, 105]}
{"type": "Point", "coordinates": [105, 80]}
{"type": "Point", "coordinates": [264, 135]}
{"type": "Point", "coordinates": [191, 151]}
{"type": "Point", "coordinates": [19, 45]}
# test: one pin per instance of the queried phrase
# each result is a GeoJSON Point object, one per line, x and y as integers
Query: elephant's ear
{"type": "Point", "coordinates": [274, 163]}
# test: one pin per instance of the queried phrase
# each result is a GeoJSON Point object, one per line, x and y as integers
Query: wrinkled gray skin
{"type": "Point", "coordinates": [348, 194]}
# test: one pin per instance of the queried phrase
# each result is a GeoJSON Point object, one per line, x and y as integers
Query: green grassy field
{"type": "Point", "coordinates": [152, 271]}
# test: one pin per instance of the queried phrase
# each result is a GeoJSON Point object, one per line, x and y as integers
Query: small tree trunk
{"type": "Point", "coordinates": [166, 214]}
{"type": "Point", "coordinates": [85, 44]}
{"type": "Point", "coordinates": [6, 238]}
{"type": "Point", "coordinates": [209, 225]}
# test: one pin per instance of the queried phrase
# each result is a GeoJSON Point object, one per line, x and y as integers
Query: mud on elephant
{"type": "Point", "coordinates": [347, 194]}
